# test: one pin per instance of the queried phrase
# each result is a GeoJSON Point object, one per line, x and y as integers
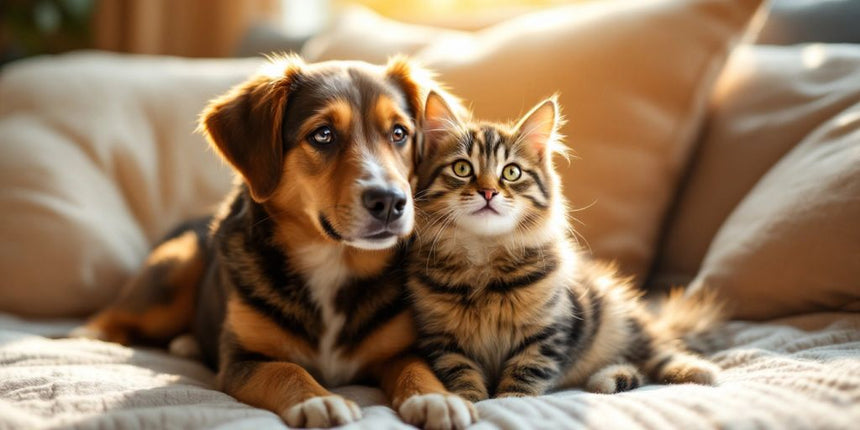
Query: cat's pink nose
{"type": "Point", "coordinates": [488, 193]}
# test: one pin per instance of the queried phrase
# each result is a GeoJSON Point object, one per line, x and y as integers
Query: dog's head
{"type": "Point", "coordinates": [332, 143]}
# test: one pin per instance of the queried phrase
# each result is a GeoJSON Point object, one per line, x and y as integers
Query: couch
{"type": "Point", "coordinates": [699, 159]}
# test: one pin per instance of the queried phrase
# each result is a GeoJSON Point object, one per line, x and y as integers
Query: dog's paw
{"type": "Point", "coordinates": [322, 411]}
{"type": "Point", "coordinates": [690, 370]}
{"type": "Point", "coordinates": [438, 411]}
{"type": "Point", "coordinates": [615, 379]}
{"type": "Point", "coordinates": [95, 332]}
{"type": "Point", "coordinates": [185, 346]}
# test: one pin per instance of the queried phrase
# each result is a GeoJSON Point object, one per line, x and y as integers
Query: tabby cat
{"type": "Point", "coordinates": [505, 303]}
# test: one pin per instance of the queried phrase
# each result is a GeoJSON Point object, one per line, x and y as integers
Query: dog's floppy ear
{"type": "Point", "coordinates": [413, 80]}
{"type": "Point", "coordinates": [244, 125]}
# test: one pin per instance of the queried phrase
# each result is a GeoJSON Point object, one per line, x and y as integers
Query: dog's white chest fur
{"type": "Point", "coordinates": [326, 274]}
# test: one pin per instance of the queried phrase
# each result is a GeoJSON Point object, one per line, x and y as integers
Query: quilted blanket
{"type": "Point", "coordinates": [802, 372]}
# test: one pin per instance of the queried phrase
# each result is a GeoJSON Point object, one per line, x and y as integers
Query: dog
{"type": "Point", "coordinates": [296, 283]}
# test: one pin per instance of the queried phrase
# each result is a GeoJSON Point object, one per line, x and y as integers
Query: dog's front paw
{"type": "Point", "coordinates": [101, 332]}
{"type": "Point", "coordinates": [438, 411]}
{"type": "Point", "coordinates": [322, 411]}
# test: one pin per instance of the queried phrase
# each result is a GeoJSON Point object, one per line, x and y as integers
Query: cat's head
{"type": "Point", "coordinates": [485, 178]}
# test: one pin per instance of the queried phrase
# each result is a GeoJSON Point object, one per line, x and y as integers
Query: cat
{"type": "Point", "coordinates": [506, 304]}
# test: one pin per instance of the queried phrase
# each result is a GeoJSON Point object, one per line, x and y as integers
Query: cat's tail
{"type": "Point", "coordinates": [691, 316]}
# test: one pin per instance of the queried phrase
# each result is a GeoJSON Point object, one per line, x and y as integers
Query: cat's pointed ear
{"type": "Point", "coordinates": [537, 129]}
{"type": "Point", "coordinates": [439, 121]}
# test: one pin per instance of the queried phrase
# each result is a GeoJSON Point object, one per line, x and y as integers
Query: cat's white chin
{"type": "Point", "coordinates": [487, 223]}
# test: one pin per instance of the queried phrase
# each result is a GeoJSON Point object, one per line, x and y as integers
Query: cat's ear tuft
{"type": "Point", "coordinates": [439, 121]}
{"type": "Point", "coordinates": [538, 128]}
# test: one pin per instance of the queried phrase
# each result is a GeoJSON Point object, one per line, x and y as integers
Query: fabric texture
{"type": "Point", "coordinates": [98, 159]}
{"type": "Point", "coordinates": [766, 101]}
{"type": "Point", "coordinates": [633, 79]}
{"type": "Point", "coordinates": [796, 373]}
{"type": "Point", "coordinates": [793, 243]}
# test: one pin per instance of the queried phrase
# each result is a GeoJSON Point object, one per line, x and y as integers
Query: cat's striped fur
{"type": "Point", "coordinates": [505, 302]}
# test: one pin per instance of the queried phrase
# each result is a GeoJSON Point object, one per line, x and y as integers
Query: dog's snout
{"type": "Point", "coordinates": [385, 204]}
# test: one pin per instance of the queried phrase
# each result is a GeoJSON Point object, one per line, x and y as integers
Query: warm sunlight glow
{"type": "Point", "coordinates": [462, 14]}
{"type": "Point", "coordinates": [813, 56]}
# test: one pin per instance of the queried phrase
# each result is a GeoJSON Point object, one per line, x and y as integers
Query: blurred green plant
{"type": "Point", "coordinates": [33, 27]}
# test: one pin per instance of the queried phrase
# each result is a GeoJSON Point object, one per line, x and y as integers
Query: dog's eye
{"type": "Point", "coordinates": [399, 135]}
{"type": "Point", "coordinates": [322, 136]}
{"type": "Point", "coordinates": [462, 168]}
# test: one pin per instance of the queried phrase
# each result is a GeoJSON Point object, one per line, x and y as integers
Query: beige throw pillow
{"type": "Point", "coordinates": [360, 34]}
{"type": "Point", "coordinates": [793, 243]}
{"type": "Point", "coordinates": [766, 101]}
{"type": "Point", "coordinates": [98, 159]}
{"type": "Point", "coordinates": [634, 77]}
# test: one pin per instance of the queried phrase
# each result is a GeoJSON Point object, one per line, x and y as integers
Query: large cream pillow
{"type": "Point", "coordinates": [634, 77]}
{"type": "Point", "coordinates": [793, 244]}
{"type": "Point", "coordinates": [359, 33]}
{"type": "Point", "coordinates": [766, 101]}
{"type": "Point", "coordinates": [98, 158]}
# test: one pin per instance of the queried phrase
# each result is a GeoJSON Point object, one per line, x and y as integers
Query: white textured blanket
{"type": "Point", "coordinates": [802, 372]}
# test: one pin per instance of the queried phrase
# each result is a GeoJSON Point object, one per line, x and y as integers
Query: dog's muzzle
{"type": "Point", "coordinates": [385, 204]}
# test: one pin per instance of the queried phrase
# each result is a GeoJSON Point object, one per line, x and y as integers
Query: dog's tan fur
{"type": "Point", "coordinates": [291, 290]}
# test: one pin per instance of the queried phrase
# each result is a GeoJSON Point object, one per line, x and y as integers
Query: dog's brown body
{"type": "Point", "coordinates": [297, 283]}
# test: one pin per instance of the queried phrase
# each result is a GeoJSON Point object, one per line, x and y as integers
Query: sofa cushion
{"type": "Point", "coordinates": [98, 158]}
{"type": "Point", "coordinates": [793, 243]}
{"type": "Point", "coordinates": [634, 78]}
{"type": "Point", "coordinates": [766, 101]}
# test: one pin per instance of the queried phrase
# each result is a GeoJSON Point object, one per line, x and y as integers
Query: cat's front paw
{"type": "Point", "coordinates": [472, 393]}
{"type": "Point", "coordinates": [322, 411]}
{"type": "Point", "coordinates": [512, 394]}
{"type": "Point", "coordinates": [438, 411]}
{"type": "Point", "coordinates": [690, 371]}
{"type": "Point", "coordinates": [615, 379]}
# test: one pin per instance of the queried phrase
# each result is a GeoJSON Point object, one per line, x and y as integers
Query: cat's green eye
{"type": "Point", "coordinates": [512, 172]}
{"type": "Point", "coordinates": [462, 168]}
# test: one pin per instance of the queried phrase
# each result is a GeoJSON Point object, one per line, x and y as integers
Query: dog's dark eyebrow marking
{"type": "Point", "coordinates": [329, 230]}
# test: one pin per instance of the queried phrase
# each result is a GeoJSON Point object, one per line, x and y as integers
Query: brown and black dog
{"type": "Point", "coordinates": [297, 282]}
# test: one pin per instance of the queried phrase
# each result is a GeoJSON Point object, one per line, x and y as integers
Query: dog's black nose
{"type": "Point", "coordinates": [384, 204]}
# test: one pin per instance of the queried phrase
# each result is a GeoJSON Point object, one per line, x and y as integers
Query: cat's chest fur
{"type": "Point", "coordinates": [491, 316]}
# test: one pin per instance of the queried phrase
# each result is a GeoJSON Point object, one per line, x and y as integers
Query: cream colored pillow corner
{"type": "Point", "coordinates": [793, 244]}
{"type": "Point", "coordinates": [98, 159]}
{"type": "Point", "coordinates": [765, 102]}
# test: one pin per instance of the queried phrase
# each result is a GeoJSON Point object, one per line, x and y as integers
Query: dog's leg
{"type": "Point", "coordinates": [157, 304]}
{"type": "Point", "coordinates": [288, 390]}
{"type": "Point", "coordinates": [420, 398]}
